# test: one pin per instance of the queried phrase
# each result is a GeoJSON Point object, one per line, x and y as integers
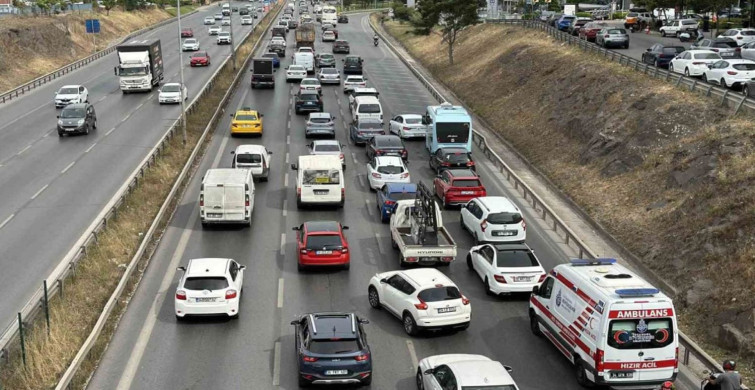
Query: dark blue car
{"type": "Point", "coordinates": [389, 194]}
{"type": "Point", "coordinates": [332, 348]}
{"type": "Point", "coordinates": [276, 59]}
{"type": "Point", "coordinates": [564, 22]}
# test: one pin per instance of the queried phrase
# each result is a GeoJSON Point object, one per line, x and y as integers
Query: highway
{"type": "Point", "coordinates": [53, 188]}
{"type": "Point", "coordinates": [150, 350]}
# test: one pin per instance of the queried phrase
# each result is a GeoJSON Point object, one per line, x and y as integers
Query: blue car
{"type": "Point", "coordinates": [563, 23]}
{"type": "Point", "coordinates": [332, 348]}
{"type": "Point", "coordinates": [389, 194]}
{"type": "Point", "coordinates": [276, 59]}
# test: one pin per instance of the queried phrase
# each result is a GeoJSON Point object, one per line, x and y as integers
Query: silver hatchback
{"type": "Point", "coordinates": [612, 37]}
{"type": "Point", "coordinates": [320, 123]}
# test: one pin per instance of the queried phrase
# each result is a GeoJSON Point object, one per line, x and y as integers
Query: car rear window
{"type": "Point", "coordinates": [369, 108]}
{"type": "Point", "coordinates": [724, 44]}
{"type": "Point", "coordinates": [319, 120]}
{"type": "Point", "coordinates": [707, 56]}
{"type": "Point", "coordinates": [246, 117]}
{"type": "Point", "coordinates": [390, 169]}
{"type": "Point", "coordinates": [672, 50]}
{"type": "Point", "coordinates": [413, 121]}
{"type": "Point", "coordinates": [640, 333]}
{"type": "Point", "coordinates": [617, 31]}
{"type": "Point", "coordinates": [402, 195]}
{"type": "Point", "coordinates": [321, 176]}
{"type": "Point", "coordinates": [370, 126]}
{"type": "Point", "coordinates": [389, 142]}
{"type": "Point", "coordinates": [327, 148]}
{"type": "Point", "coordinates": [438, 294]}
{"type": "Point", "coordinates": [747, 32]}
{"type": "Point", "coordinates": [504, 218]}
{"type": "Point", "coordinates": [333, 347]}
{"type": "Point", "coordinates": [324, 242]}
{"type": "Point", "coordinates": [457, 158]}
{"type": "Point", "coordinates": [466, 183]}
{"type": "Point", "coordinates": [248, 158]}
{"type": "Point", "coordinates": [310, 97]}
{"type": "Point", "coordinates": [206, 283]}
{"type": "Point", "coordinates": [632, 14]}
{"type": "Point", "coordinates": [744, 66]}
{"type": "Point", "coordinates": [516, 259]}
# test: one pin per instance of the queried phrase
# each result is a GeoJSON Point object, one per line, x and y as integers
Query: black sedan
{"type": "Point", "coordinates": [386, 145]}
{"type": "Point", "coordinates": [307, 101]}
{"type": "Point", "coordinates": [661, 55]}
{"type": "Point", "coordinates": [447, 158]}
{"type": "Point", "coordinates": [343, 19]}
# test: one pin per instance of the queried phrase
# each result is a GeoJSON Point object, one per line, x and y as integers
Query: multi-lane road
{"type": "Point", "coordinates": [52, 188]}
{"type": "Point", "coordinates": [150, 350]}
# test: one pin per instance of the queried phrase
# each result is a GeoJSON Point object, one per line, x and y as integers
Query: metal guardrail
{"type": "Point", "coordinates": [688, 347]}
{"type": "Point", "coordinates": [44, 79]}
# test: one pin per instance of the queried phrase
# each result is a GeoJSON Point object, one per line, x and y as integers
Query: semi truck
{"type": "Point", "coordinates": [140, 65]}
{"type": "Point", "coordinates": [305, 35]}
{"type": "Point", "coordinates": [262, 73]}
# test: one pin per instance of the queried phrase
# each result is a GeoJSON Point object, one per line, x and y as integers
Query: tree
{"type": "Point", "coordinates": [108, 4]}
{"type": "Point", "coordinates": [453, 16]}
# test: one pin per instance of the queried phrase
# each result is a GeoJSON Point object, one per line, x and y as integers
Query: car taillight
{"type": "Point", "coordinates": [201, 200]}
{"type": "Point", "coordinates": [542, 277]}
{"type": "Point", "coordinates": [731, 72]}
{"type": "Point", "coordinates": [362, 357]}
{"type": "Point", "coordinates": [309, 359]}
{"type": "Point", "coordinates": [376, 175]}
{"type": "Point", "coordinates": [470, 163]}
{"type": "Point", "coordinates": [340, 156]}
{"type": "Point", "coordinates": [298, 191]}
{"type": "Point", "coordinates": [246, 201]}
{"type": "Point", "coordinates": [389, 202]}
{"type": "Point", "coordinates": [407, 128]}
{"type": "Point", "coordinates": [421, 305]}
{"type": "Point", "coordinates": [484, 225]}
{"type": "Point", "coordinates": [716, 50]}
{"type": "Point", "coordinates": [738, 49]}
{"type": "Point", "coordinates": [698, 63]}
{"type": "Point", "coordinates": [343, 193]}
{"type": "Point", "coordinates": [524, 225]}
{"type": "Point", "coordinates": [379, 152]}
{"type": "Point", "coordinates": [447, 259]}
{"type": "Point", "coordinates": [499, 278]}
{"type": "Point", "coordinates": [464, 300]}
{"type": "Point", "coordinates": [676, 359]}
{"type": "Point", "coordinates": [445, 164]}
{"type": "Point", "coordinates": [599, 360]}
{"type": "Point", "coordinates": [230, 294]}
{"type": "Point", "coordinates": [606, 36]}
{"type": "Point", "coordinates": [404, 152]}
{"type": "Point", "coordinates": [405, 175]}
{"type": "Point", "coordinates": [181, 295]}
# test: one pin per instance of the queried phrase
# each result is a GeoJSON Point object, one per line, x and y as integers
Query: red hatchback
{"type": "Point", "coordinates": [322, 243]}
{"type": "Point", "coordinates": [187, 33]}
{"type": "Point", "coordinates": [458, 186]}
{"type": "Point", "coordinates": [590, 30]}
{"type": "Point", "coordinates": [200, 58]}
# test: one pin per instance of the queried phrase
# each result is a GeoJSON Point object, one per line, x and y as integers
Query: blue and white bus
{"type": "Point", "coordinates": [448, 126]}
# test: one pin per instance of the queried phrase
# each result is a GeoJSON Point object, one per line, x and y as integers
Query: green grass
{"type": "Point", "coordinates": [185, 9]}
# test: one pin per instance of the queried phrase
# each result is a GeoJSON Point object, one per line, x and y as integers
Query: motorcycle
{"type": "Point", "coordinates": [705, 385]}
{"type": "Point", "coordinates": [688, 35]}
{"type": "Point", "coordinates": [375, 41]}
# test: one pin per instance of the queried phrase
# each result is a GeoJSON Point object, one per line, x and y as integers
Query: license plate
{"type": "Point", "coordinates": [214, 215]}
{"type": "Point", "coordinates": [321, 192]}
{"type": "Point", "coordinates": [336, 372]}
{"type": "Point", "coordinates": [623, 374]}
{"type": "Point", "coordinates": [446, 309]}
{"type": "Point", "coordinates": [522, 278]}
{"type": "Point", "coordinates": [467, 192]}
{"type": "Point", "coordinates": [205, 299]}
{"type": "Point", "coordinates": [505, 233]}
{"type": "Point", "coordinates": [323, 252]}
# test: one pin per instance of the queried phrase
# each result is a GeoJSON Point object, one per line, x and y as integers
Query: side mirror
{"type": "Point", "coordinates": [294, 167]}
{"type": "Point", "coordinates": [242, 267]}
{"type": "Point", "coordinates": [269, 152]}
{"type": "Point", "coordinates": [181, 269]}
{"type": "Point", "coordinates": [345, 227]}
{"type": "Point", "coordinates": [508, 368]}
{"type": "Point", "coordinates": [294, 322]}
{"type": "Point", "coordinates": [231, 115]}
{"type": "Point", "coordinates": [536, 290]}
{"type": "Point", "coordinates": [262, 115]}
{"type": "Point", "coordinates": [115, 70]}
{"type": "Point", "coordinates": [648, 49]}
{"type": "Point", "coordinates": [57, 116]}
{"type": "Point", "coordinates": [429, 371]}
{"type": "Point", "coordinates": [383, 280]}
{"type": "Point", "coordinates": [233, 152]}
{"type": "Point", "coordinates": [364, 321]}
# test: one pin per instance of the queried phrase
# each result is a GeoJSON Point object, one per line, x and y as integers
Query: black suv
{"type": "Point", "coordinates": [78, 118]}
{"type": "Point", "coordinates": [352, 65]}
{"type": "Point", "coordinates": [447, 158]}
{"type": "Point", "coordinates": [341, 46]}
{"type": "Point", "coordinates": [308, 101]}
{"type": "Point", "coordinates": [332, 348]}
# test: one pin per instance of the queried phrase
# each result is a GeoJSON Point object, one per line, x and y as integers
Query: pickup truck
{"type": "Point", "coordinates": [417, 242]}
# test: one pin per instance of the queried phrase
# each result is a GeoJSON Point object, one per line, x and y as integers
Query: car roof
{"type": "Point", "coordinates": [167, 84]}
{"type": "Point", "coordinates": [326, 142]}
{"type": "Point", "coordinates": [213, 266]}
{"type": "Point", "coordinates": [480, 373]}
{"type": "Point", "coordinates": [365, 90]}
{"type": "Point", "coordinates": [319, 115]}
{"type": "Point", "coordinates": [498, 204]}
{"type": "Point", "coordinates": [461, 173]}
{"type": "Point", "coordinates": [401, 187]}
{"type": "Point", "coordinates": [417, 116]}
{"type": "Point", "coordinates": [354, 77]}
{"type": "Point", "coordinates": [322, 226]}
{"type": "Point", "coordinates": [389, 160]}
{"type": "Point", "coordinates": [248, 148]}
{"type": "Point", "coordinates": [512, 247]}
{"type": "Point", "coordinates": [427, 277]}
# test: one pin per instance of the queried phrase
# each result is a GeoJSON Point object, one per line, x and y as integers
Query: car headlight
{"type": "Point", "coordinates": [80, 122]}
{"type": "Point", "coordinates": [60, 122]}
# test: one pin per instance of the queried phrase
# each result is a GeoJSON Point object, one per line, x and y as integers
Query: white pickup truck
{"type": "Point", "coordinates": [418, 241]}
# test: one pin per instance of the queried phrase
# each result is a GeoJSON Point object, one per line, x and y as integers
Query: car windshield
{"type": "Point", "coordinates": [707, 56]}
{"type": "Point", "coordinates": [458, 157]}
{"type": "Point", "coordinates": [321, 176]}
{"type": "Point", "coordinates": [332, 347]}
{"type": "Point", "coordinates": [171, 88]}
{"type": "Point", "coordinates": [352, 61]}
{"type": "Point", "coordinates": [390, 169]}
{"type": "Point", "coordinates": [327, 148]}
{"type": "Point", "coordinates": [225, 34]}
{"type": "Point", "coordinates": [515, 259]}
{"type": "Point", "coordinates": [413, 121]}
{"type": "Point", "coordinates": [324, 242]}
{"type": "Point", "coordinates": [319, 120]}
{"type": "Point", "coordinates": [632, 14]}
{"type": "Point", "coordinates": [199, 55]}
{"type": "Point", "coordinates": [206, 283]}
{"type": "Point", "coordinates": [369, 108]}
{"type": "Point", "coordinates": [744, 66]}
{"type": "Point", "coordinates": [190, 41]}
{"type": "Point", "coordinates": [246, 158]}
{"type": "Point", "coordinates": [69, 91]}
{"type": "Point", "coordinates": [438, 294]}
{"type": "Point", "coordinates": [73, 113]}
{"type": "Point", "coordinates": [725, 44]}
{"type": "Point", "coordinates": [329, 71]}
{"type": "Point", "coordinates": [466, 183]}
{"type": "Point", "coordinates": [137, 71]}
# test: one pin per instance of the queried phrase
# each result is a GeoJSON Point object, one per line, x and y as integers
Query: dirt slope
{"type": "Point", "coordinates": [33, 46]}
{"type": "Point", "coordinates": [670, 175]}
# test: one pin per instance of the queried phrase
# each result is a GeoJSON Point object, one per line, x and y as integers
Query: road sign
{"type": "Point", "coordinates": [93, 26]}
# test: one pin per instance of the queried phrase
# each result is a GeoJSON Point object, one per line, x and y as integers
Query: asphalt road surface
{"type": "Point", "coordinates": [53, 188]}
{"type": "Point", "coordinates": [150, 350]}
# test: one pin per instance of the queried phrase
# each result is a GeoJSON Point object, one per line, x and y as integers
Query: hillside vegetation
{"type": "Point", "coordinates": [666, 171]}
{"type": "Point", "coordinates": [33, 46]}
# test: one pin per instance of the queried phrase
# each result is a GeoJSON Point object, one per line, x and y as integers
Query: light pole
{"type": "Point", "coordinates": [233, 52]}
{"type": "Point", "coordinates": [181, 68]}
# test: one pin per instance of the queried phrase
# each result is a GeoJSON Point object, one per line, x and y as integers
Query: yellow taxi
{"type": "Point", "coordinates": [246, 121]}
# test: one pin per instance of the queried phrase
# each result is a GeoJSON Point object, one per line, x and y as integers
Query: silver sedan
{"type": "Point", "coordinates": [320, 123]}
{"type": "Point", "coordinates": [329, 76]}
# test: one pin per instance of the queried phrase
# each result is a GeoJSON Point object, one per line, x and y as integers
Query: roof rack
{"type": "Point", "coordinates": [314, 327]}
{"type": "Point", "coordinates": [637, 292]}
{"type": "Point", "coordinates": [353, 323]}
{"type": "Point", "coordinates": [597, 261]}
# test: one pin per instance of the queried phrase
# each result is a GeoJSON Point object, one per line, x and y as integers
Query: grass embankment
{"type": "Point", "coordinates": [73, 316]}
{"type": "Point", "coordinates": [36, 45]}
{"type": "Point", "coordinates": [185, 9]}
{"type": "Point", "coordinates": [666, 171]}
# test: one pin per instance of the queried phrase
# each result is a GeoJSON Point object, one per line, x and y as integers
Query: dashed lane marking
{"type": "Point", "coordinates": [39, 192]}
{"type": "Point", "coordinates": [5, 222]}
{"type": "Point", "coordinates": [68, 167]}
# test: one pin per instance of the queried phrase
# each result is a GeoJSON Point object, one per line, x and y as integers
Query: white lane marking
{"type": "Point", "coordinates": [285, 180]}
{"type": "Point", "coordinates": [280, 293]}
{"type": "Point", "coordinates": [412, 354]}
{"type": "Point", "coordinates": [139, 106]}
{"type": "Point", "coordinates": [23, 150]}
{"type": "Point", "coordinates": [125, 118]}
{"type": "Point", "coordinates": [68, 167]}
{"type": "Point", "coordinates": [149, 324]}
{"type": "Point", "coordinates": [288, 124]}
{"type": "Point", "coordinates": [361, 180]}
{"type": "Point", "coordinates": [277, 364]}
{"type": "Point", "coordinates": [369, 207]}
{"type": "Point", "coordinates": [286, 158]}
{"type": "Point", "coordinates": [283, 244]}
{"type": "Point", "coordinates": [90, 148]}
{"type": "Point", "coordinates": [39, 192]}
{"type": "Point", "coordinates": [220, 152]}
{"type": "Point", "coordinates": [380, 243]}
{"type": "Point", "coordinates": [354, 157]}
{"type": "Point", "coordinates": [285, 207]}
{"type": "Point", "coordinates": [7, 220]}
{"type": "Point", "coordinates": [109, 131]}
{"type": "Point", "coordinates": [22, 116]}
{"type": "Point", "coordinates": [288, 140]}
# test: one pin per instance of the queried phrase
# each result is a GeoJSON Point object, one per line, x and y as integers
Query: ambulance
{"type": "Point", "coordinates": [617, 329]}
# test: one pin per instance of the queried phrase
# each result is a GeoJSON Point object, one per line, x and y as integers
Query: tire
{"type": "Point", "coordinates": [60, 134]}
{"type": "Point", "coordinates": [410, 326]}
{"type": "Point", "coordinates": [445, 204]}
{"type": "Point", "coordinates": [705, 78]}
{"type": "Point", "coordinates": [373, 298]}
{"type": "Point", "coordinates": [470, 265]}
{"type": "Point", "coordinates": [347, 266]}
{"type": "Point", "coordinates": [418, 379]}
{"type": "Point", "coordinates": [686, 72]}
{"type": "Point", "coordinates": [723, 83]}
{"type": "Point", "coordinates": [299, 267]}
{"type": "Point", "coordinates": [581, 375]}
{"type": "Point", "coordinates": [86, 132]}
{"type": "Point", "coordinates": [94, 125]}
{"type": "Point", "coordinates": [535, 326]}
{"type": "Point", "coordinates": [488, 291]}
{"type": "Point", "coordinates": [663, 34]}
{"type": "Point", "coordinates": [367, 381]}
{"type": "Point", "coordinates": [401, 262]}
{"type": "Point", "coordinates": [393, 243]}
{"type": "Point", "coordinates": [656, 64]}
{"type": "Point", "coordinates": [476, 240]}
{"type": "Point", "coordinates": [179, 318]}
{"type": "Point", "coordinates": [746, 90]}
{"type": "Point", "coordinates": [299, 204]}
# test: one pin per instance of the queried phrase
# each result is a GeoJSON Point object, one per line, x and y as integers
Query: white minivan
{"type": "Point", "coordinates": [319, 181]}
{"type": "Point", "coordinates": [256, 158]}
{"type": "Point", "coordinates": [226, 196]}
{"type": "Point", "coordinates": [367, 107]}
{"type": "Point", "coordinates": [305, 59]}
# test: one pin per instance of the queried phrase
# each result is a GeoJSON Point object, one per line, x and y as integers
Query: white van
{"type": "Point", "coordinates": [366, 107]}
{"type": "Point", "coordinates": [226, 196]}
{"type": "Point", "coordinates": [256, 158]}
{"type": "Point", "coordinates": [319, 181]}
{"type": "Point", "coordinates": [617, 329]}
{"type": "Point", "coordinates": [305, 59]}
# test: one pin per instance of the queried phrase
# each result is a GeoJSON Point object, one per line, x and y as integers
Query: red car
{"type": "Point", "coordinates": [200, 58]}
{"type": "Point", "coordinates": [458, 186]}
{"type": "Point", "coordinates": [187, 33]}
{"type": "Point", "coordinates": [590, 30]}
{"type": "Point", "coordinates": [322, 243]}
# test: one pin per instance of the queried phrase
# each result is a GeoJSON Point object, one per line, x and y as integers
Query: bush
{"type": "Point", "coordinates": [584, 15]}
{"type": "Point", "coordinates": [618, 15]}
{"type": "Point", "coordinates": [402, 12]}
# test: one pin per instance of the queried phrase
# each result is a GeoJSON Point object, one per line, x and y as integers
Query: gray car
{"type": "Point", "coordinates": [327, 147]}
{"type": "Point", "coordinates": [325, 60]}
{"type": "Point", "coordinates": [362, 130]}
{"type": "Point", "coordinates": [320, 123]}
{"type": "Point", "coordinates": [725, 47]}
{"type": "Point", "coordinates": [329, 76]}
{"type": "Point", "coordinates": [612, 37]}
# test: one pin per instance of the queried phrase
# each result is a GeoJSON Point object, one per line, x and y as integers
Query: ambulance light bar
{"type": "Point", "coordinates": [637, 292]}
{"type": "Point", "coordinates": [598, 261]}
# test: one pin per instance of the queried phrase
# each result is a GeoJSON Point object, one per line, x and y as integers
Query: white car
{"type": "Point", "coordinates": [218, 16]}
{"type": "Point", "coordinates": [408, 126]}
{"type": "Point", "coordinates": [352, 82]}
{"type": "Point", "coordinates": [741, 35]}
{"type": "Point", "coordinates": [224, 37]}
{"type": "Point", "coordinates": [693, 62]}
{"type": "Point", "coordinates": [278, 41]}
{"type": "Point", "coordinates": [327, 146]}
{"type": "Point", "coordinates": [209, 286]}
{"type": "Point", "coordinates": [209, 20]}
{"type": "Point", "coordinates": [256, 158]}
{"type": "Point", "coordinates": [675, 27]}
{"type": "Point", "coordinates": [748, 51]}
{"type": "Point", "coordinates": [246, 20]}
{"type": "Point", "coordinates": [190, 44]}
{"type": "Point", "coordinates": [328, 36]}
{"type": "Point", "coordinates": [731, 73]}
{"type": "Point", "coordinates": [306, 49]}
{"type": "Point", "coordinates": [171, 93]}
{"type": "Point", "coordinates": [387, 169]}
{"type": "Point", "coordinates": [461, 371]}
{"type": "Point", "coordinates": [296, 72]}
{"type": "Point", "coordinates": [225, 22]}
{"type": "Point", "coordinates": [214, 30]}
{"type": "Point", "coordinates": [506, 268]}
{"type": "Point", "coordinates": [329, 76]}
{"type": "Point", "coordinates": [69, 94]}
{"type": "Point", "coordinates": [493, 219]}
{"type": "Point", "coordinates": [326, 26]}
{"type": "Point", "coordinates": [361, 92]}
{"type": "Point", "coordinates": [423, 298]}
{"type": "Point", "coordinates": [310, 84]}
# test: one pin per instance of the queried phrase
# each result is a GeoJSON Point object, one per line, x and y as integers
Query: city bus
{"type": "Point", "coordinates": [447, 126]}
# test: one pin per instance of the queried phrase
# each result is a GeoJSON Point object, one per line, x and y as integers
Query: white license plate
{"type": "Point", "coordinates": [467, 192]}
{"type": "Point", "coordinates": [522, 278]}
{"type": "Point", "coordinates": [505, 233]}
{"type": "Point", "coordinates": [336, 372]}
{"type": "Point", "coordinates": [205, 299]}
{"type": "Point", "coordinates": [321, 192]}
{"type": "Point", "coordinates": [446, 309]}
{"type": "Point", "coordinates": [323, 252]}
{"type": "Point", "coordinates": [623, 374]}
{"type": "Point", "coordinates": [214, 215]}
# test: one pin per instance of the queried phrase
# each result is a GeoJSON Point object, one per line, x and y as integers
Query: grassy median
{"type": "Point", "coordinates": [73, 314]}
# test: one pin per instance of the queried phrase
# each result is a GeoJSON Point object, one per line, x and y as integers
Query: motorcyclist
{"type": "Point", "coordinates": [728, 380]}
{"type": "Point", "coordinates": [375, 39]}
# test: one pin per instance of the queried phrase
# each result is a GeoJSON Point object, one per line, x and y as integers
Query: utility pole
{"type": "Point", "coordinates": [233, 52]}
{"type": "Point", "coordinates": [181, 67]}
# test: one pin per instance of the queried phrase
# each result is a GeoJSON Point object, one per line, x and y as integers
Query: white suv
{"type": "Point", "coordinates": [676, 27]}
{"type": "Point", "coordinates": [209, 286]}
{"type": "Point", "coordinates": [493, 219]}
{"type": "Point", "coordinates": [423, 298]}
{"type": "Point", "coordinates": [506, 268]}
{"type": "Point", "coordinates": [70, 94]}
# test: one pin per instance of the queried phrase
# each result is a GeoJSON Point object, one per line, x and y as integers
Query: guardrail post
{"type": "Point", "coordinates": [21, 336]}
{"type": "Point", "coordinates": [679, 80]}
{"type": "Point", "coordinates": [60, 287]}
{"type": "Point", "coordinates": [710, 87]}
{"type": "Point", "coordinates": [47, 307]}
{"type": "Point", "coordinates": [694, 84]}
{"type": "Point", "coordinates": [723, 98]}
{"type": "Point", "coordinates": [739, 105]}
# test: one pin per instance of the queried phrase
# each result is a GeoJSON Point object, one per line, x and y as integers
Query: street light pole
{"type": "Point", "coordinates": [233, 52]}
{"type": "Point", "coordinates": [181, 67]}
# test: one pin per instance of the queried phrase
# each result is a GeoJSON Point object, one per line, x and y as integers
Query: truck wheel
{"type": "Point", "coordinates": [581, 374]}
{"type": "Point", "coordinates": [393, 243]}
{"type": "Point", "coordinates": [299, 205]}
{"type": "Point", "coordinates": [401, 262]}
